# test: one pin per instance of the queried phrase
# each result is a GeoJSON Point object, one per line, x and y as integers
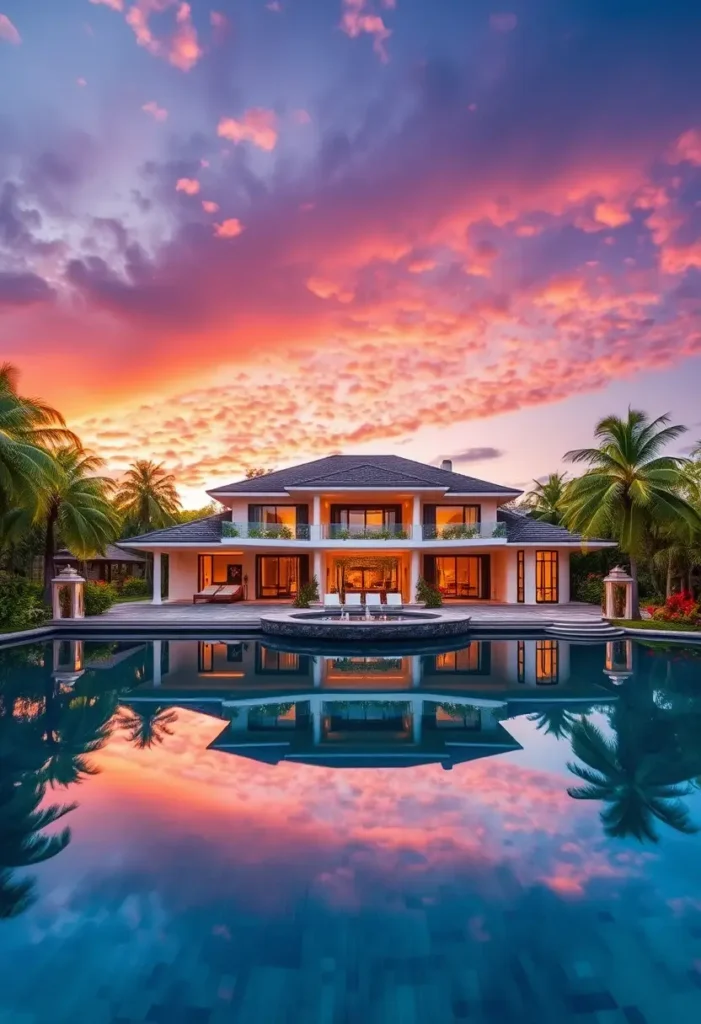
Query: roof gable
{"type": "Point", "coordinates": [367, 470]}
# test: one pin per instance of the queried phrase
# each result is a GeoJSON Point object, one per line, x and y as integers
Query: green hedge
{"type": "Point", "coordinates": [134, 586]}
{"type": "Point", "coordinates": [21, 603]}
{"type": "Point", "coordinates": [99, 597]}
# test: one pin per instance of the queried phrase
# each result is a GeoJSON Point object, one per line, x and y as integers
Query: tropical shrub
{"type": "Point", "coordinates": [461, 531]}
{"type": "Point", "coordinates": [99, 597]}
{"type": "Point", "coordinates": [682, 608]}
{"type": "Point", "coordinates": [135, 586]}
{"type": "Point", "coordinates": [590, 589]}
{"type": "Point", "coordinates": [428, 594]}
{"type": "Point", "coordinates": [307, 593]}
{"type": "Point", "coordinates": [21, 604]}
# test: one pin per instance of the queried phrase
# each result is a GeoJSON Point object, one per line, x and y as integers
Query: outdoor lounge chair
{"type": "Point", "coordinates": [332, 600]}
{"type": "Point", "coordinates": [373, 600]}
{"type": "Point", "coordinates": [353, 601]}
{"type": "Point", "coordinates": [207, 594]}
{"type": "Point", "coordinates": [228, 594]}
{"type": "Point", "coordinates": [394, 601]}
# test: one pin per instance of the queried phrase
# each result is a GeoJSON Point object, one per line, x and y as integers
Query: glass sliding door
{"type": "Point", "coordinates": [277, 577]}
{"type": "Point", "coordinates": [463, 576]}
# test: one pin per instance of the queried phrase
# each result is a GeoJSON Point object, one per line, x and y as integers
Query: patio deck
{"type": "Point", "coordinates": [246, 615]}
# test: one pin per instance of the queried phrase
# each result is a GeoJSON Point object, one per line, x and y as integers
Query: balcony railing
{"type": "Point", "coordinates": [464, 531]}
{"type": "Point", "coordinates": [266, 531]}
{"type": "Point", "coordinates": [337, 531]}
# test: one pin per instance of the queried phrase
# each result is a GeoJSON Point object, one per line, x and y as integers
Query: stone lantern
{"type": "Point", "coordinates": [618, 665]}
{"type": "Point", "coordinates": [67, 595]}
{"type": "Point", "coordinates": [618, 594]}
{"type": "Point", "coordinates": [68, 661]}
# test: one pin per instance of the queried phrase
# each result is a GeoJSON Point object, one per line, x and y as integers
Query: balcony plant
{"type": "Point", "coordinates": [499, 530]}
{"type": "Point", "coordinates": [461, 531]}
{"type": "Point", "coordinates": [230, 530]}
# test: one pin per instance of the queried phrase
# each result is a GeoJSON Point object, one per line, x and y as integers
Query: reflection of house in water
{"type": "Point", "coordinates": [376, 709]}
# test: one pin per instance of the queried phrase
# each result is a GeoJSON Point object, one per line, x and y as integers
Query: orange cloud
{"type": "Point", "coordinates": [356, 21]}
{"type": "Point", "coordinates": [156, 112]}
{"type": "Point", "coordinates": [209, 207]}
{"type": "Point", "coordinates": [8, 32]}
{"type": "Point", "coordinates": [190, 186]}
{"type": "Point", "coordinates": [421, 266]}
{"type": "Point", "coordinates": [257, 126]}
{"type": "Point", "coordinates": [230, 228]}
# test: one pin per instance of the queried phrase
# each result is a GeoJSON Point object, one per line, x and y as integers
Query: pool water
{"type": "Point", "coordinates": [208, 832]}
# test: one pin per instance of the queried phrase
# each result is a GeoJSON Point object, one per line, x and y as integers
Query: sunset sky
{"type": "Point", "coordinates": [239, 232]}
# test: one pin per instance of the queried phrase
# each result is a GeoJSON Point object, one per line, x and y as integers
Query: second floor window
{"type": "Point", "coordinates": [274, 515]}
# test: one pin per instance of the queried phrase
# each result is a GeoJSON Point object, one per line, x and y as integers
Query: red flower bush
{"type": "Point", "coordinates": [681, 607]}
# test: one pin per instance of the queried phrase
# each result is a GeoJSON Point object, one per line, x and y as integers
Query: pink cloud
{"type": "Point", "coordinates": [156, 112]}
{"type": "Point", "coordinates": [190, 186]}
{"type": "Point", "coordinates": [421, 266]}
{"type": "Point", "coordinates": [274, 6]}
{"type": "Point", "coordinates": [218, 20]}
{"type": "Point", "coordinates": [687, 148]}
{"type": "Point", "coordinates": [257, 125]}
{"type": "Point", "coordinates": [230, 228]}
{"type": "Point", "coordinates": [209, 207]}
{"type": "Point", "coordinates": [181, 48]}
{"type": "Point", "coordinates": [505, 22]}
{"type": "Point", "coordinates": [116, 5]}
{"type": "Point", "coordinates": [357, 20]}
{"type": "Point", "coordinates": [301, 117]}
{"type": "Point", "coordinates": [81, 82]}
{"type": "Point", "coordinates": [8, 32]}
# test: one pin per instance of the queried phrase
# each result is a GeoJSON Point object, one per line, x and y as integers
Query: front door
{"type": "Point", "coordinates": [462, 577]}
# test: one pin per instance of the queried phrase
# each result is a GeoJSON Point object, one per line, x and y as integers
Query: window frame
{"type": "Point", "coordinates": [553, 558]}
{"type": "Point", "coordinates": [520, 576]}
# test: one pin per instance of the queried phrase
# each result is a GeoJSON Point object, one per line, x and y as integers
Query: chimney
{"type": "Point", "coordinates": [447, 465]}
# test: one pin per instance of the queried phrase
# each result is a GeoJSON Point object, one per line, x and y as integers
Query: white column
{"type": "Point", "coordinates": [415, 572]}
{"type": "Point", "coordinates": [315, 712]}
{"type": "Point", "coordinates": [416, 670]}
{"type": "Point", "coordinates": [157, 662]}
{"type": "Point", "coordinates": [511, 571]}
{"type": "Point", "coordinates": [316, 671]}
{"type": "Point", "coordinates": [319, 572]}
{"type": "Point", "coordinates": [315, 532]}
{"type": "Point", "coordinates": [416, 516]}
{"type": "Point", "coordinates": [156, 578]}
{"type": "Point", "coordinates": [529, 575]}
{"type": "Point", "coordinates": [563, 569]}
{"type": "Point", "coordinates": [417, 707]}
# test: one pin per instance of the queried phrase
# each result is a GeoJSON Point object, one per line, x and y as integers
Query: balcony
{"type": "Point", "coordinates": [341, 532]}
{"type": "Point", "coordinates": [464, 531]}
{"type": "Point", "coordinates": [265, 531]}
{"type": "Point", "coordinates": [331, 534]}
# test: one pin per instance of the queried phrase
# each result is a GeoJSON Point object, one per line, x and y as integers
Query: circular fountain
{"type": "Point", "coordinates": [374, 627]}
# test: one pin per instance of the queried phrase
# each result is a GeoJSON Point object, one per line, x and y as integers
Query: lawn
{"type": "Point", "coordinates": [124, 600]}
{"type": "Point", "coordinates": [671, 627]}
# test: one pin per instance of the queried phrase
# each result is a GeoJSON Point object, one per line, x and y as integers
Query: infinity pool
{"type": "Point", "coordinates": [209, 832]}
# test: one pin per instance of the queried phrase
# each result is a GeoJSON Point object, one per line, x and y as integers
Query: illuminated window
{"type": "Point", "coordinates": [462, 576]}
{"type": "Point", "coordinates": [474, 660]}
{"type": "Point", "coordinates": [546, 577]}
{"type": "Point", "coordinates": [520, 576]}
{"type": "Point", "coordinates": [546, 659]}
{"type": "Point", "coordinates": [521, 661]}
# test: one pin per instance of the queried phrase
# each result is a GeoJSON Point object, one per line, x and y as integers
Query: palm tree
{"type": "Point", "coordinates": [148, 727]}
{"type": "Point", "coordinates": [555, 721]}
{"type": "Point", "coordinates": [545, 499]}
{"type": "Point", "coordinates": [74, 729]}
{"type": "Point", "coordinates": [630, 487]}
{"type": "Point", "coordinates": [147, 497]}
{"type": "Point", "coordinates": [29, 430]}
{"type": "Point", "coordinates": [638, 787]}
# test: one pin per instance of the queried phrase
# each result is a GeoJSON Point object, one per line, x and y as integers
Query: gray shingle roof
{"type": "Point", "coordinates": [521, 529]}
{"type": "Point", "coordinates": [337, 471]}
{"type": "Point", "coordinates": [199, 531]}
{"type": "Point", "coordinates": [112, 554]}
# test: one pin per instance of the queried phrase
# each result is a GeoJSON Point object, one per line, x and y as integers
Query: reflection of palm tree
{"type": "Point", "coordinates": [21, 842]}
{"type": "Point", "coordinates": [638, 787]}
{"type": "Point", "coordinates": [554, 721]}
{"type": "Point", "coordinates": [149, 727]}
{"type": "Point", "coordinates": [83, 728]}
